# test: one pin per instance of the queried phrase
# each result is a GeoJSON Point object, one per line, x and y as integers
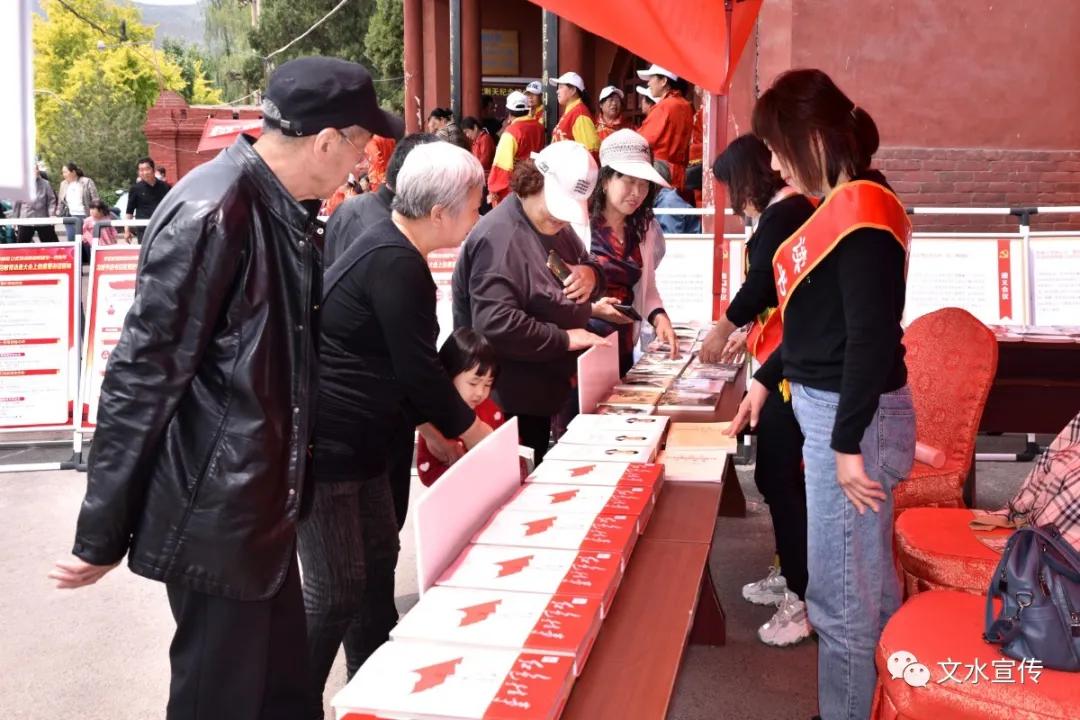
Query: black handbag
{"type": "Point", "coordinates": [1038, 583]}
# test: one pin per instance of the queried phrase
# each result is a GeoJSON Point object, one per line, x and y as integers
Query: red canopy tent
{"type": "Point", "coordinates": [218, 134]}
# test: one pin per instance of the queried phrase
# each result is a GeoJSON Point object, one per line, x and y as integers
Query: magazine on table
{"type": "Point", "coordinates": [624, 410]}
{"type": "Point", "coordinates": [677, 401]}
{"type": "Point", "coordinates": [694, 465]}
{"type": "Point", "coordinates": [700, 436]}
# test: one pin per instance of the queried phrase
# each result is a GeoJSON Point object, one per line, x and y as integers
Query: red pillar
{"type": "Point", "coordinates": [571, 48]}
{"type": "Point", "coordinates": [414, 64]}
{"type": "Point", "coordinates": [470, 58]}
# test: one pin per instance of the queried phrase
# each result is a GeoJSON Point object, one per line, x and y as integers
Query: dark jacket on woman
{"type": "Point", "coordinates": [200, 452]}
{"type": "Point", "coordinates": [504, 290]}
{"type": "Point", "coordinates": [377, 357]}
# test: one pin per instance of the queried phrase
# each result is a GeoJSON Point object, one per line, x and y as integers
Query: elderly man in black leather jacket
{"type": "Point", "coordinates": [199, 458]}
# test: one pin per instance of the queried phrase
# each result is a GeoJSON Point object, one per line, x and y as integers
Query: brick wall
{"type": "Point", "coordinates": [984, 178]}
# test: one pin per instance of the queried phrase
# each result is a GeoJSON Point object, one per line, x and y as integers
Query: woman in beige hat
{"type": "Point", "coordinates": [624, 236]}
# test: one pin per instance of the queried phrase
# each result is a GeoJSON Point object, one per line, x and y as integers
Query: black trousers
{"type": "Point", "coordinates": [534, 431]}
{"type": "Point", "coordinates": [349, 550]}
{"type": "Point", "coordinates": [235, 660]}
{"type": "Point", "coordinates": [45, 233]}
{"type": "Point", "coordinates": [779, 477]}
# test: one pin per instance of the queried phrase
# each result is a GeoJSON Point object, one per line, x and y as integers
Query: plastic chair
{"type": "Point", "coordinates": [951, 360]}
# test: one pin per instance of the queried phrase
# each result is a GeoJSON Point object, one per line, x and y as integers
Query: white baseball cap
{"type": "Point", "coordinates": [609, 91]}
{"type": "Point", "coordinates": [656, 70]}
{"type": "Point", "coordinates": [645, 93]}
{"type": "Point", "coordinates": [627, 153]}
{"type": "Point", "coordinates": [569, 179]}
{"type": "Point", "coordinates": [535, 88]}
{"type": "Point", "coordinates": [570, 78]}
{"type": "Point", "coordinates": [517, 101]}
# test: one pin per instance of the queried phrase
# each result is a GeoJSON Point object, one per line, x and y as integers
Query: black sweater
{"type": "Point", "coordinates": [776, 225]}
{"type": "Point", "coordinates": [377, 357]}
{"type": "Point", "coordinates": [504, 290]}
{"type": "Point", "coordinates": [842, 330]}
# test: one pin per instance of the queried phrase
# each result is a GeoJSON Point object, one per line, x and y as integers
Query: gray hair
{"type": "Point", "coordinates": [270, 112]}
{"type": "Point", "coordinates": [436, 174]}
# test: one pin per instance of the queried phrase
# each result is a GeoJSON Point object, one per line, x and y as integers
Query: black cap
{"type": "Point", "coordinates": [315, 93]}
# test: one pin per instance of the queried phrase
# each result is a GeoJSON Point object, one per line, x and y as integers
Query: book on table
{"type": "Point", "coordinates": [633, 435]}
{"type": "Point", "coordinates": [562, 530]}
{"type": "Point", "coordinates": [622, 499]}
{"type": "Point", "coordinates": [701, 385]}
{"type": "Point", "coordinates": [636, 396]}
{"type": "Point", "coordinates": [601, 453]}
{"type": "Point", "coordinates": [688, 401]}
{"type": "Point", "coordinates": [693, 465]}
{"type": "Point", "coordinates": [564, 625]}
{"type": "Point", "coordinates": [616, 422]}
{"type": "Point", "coordinates": [568, 472]}
{"type": "Point", "coordinates": [700, 436]}
{"type": "Point", "coordinates": [436, 681]}
{"type": "Point", "coordinates": [537, 570]}
{"type": "Point", "coordinates": [633, 381]}
{"type": "Point", "coordinates": [661, 364]}
{"type": "Point", "coordinates": [635, 410]}
{"type": "Point", "coordinates": [698, 370]}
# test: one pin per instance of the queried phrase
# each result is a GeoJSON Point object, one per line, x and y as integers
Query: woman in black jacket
{"type": "Point", "coordinates": [504, 286]}
{"type": "Point", "coordinates": [758, 191]}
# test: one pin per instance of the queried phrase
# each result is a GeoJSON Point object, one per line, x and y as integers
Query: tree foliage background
{"type": "Point", "coordinates": [95, 75]}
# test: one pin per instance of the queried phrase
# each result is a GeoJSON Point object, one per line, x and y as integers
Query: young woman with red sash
{"type": "Point", "coordinates": [758, 191]}
{"type": "Point", "coordinates": [840, 283]}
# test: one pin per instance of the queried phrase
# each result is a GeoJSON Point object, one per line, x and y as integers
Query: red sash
{"type": "Point", "coordinates": [853, 205]}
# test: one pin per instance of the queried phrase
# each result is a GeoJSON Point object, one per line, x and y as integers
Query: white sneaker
{"type": "Point", "coordinates": [767, 591]}
{"type": "Point", "coordinates": [789, 625]}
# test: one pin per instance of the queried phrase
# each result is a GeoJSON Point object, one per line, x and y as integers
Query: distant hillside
{"type": "Point", "coordinates": [181, 22]}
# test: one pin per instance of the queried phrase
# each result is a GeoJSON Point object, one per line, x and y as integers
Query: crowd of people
{"type": "Point", "coordinates": [259, 410]}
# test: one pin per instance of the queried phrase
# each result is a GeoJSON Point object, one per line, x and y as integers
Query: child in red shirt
{"type": "Point", "coordinates": [470, 360]}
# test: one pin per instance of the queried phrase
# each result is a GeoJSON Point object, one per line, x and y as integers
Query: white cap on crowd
{"type": "Point", "coordinates": [535, 88]}
{"type": "Point", "coordinates": [569, 178]}
{"type": "Point", "coordinates": [570, 78]}
{"type": "Point", "coordinates": [609, 91]}
{"type": "Point", "coordinates": [645, 93]}
{"type": "Point", "coordinates": [627, 153]}
{"type": "Point", "coordinates": [517, 101]}
{"type": "Point", "coordinates": [656, 70]}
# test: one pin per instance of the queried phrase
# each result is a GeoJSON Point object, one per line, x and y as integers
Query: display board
{"type": "Point", "coordinates": [441, 263]}
{"type": "Point", "coordinates": [38, 363]}
{"type": "Point", "coordinates": [110, 295]}
{"type": "Point", "coordinates": [1055, 276]}
{"type": "Point", "coordinates": [982, 275]}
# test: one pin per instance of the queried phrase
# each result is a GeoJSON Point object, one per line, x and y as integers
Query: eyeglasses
{"type": "Point", "coordinates": [351, 143]}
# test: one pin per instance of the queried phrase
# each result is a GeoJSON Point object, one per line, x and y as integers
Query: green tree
{"type": "Point", "coordinates": [228, 24]}
{"type": "Point", "coordinates": [94, 59]}
{"type": "Point", "coordinates": [384, 44]}
{"type": "Point", "coordinates": [103, 137]}
{"type": "Point", "coordinates": [192, 63]}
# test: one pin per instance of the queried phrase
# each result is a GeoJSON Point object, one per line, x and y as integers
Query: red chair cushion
{"type": "Point", "coordinates": [946, 626]}
{"type": "Point", "coordinates": [931, 487]}
{"type": "Point", "coordinates": [938, 551]}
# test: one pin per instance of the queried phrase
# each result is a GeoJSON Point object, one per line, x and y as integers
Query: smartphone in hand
{"type": "Point", "coordinates": [558, 267]}
{"type": "Point", "coordinates": [628, 311]}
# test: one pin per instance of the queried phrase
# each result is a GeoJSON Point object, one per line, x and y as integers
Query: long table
{"type": "Point", "coordinates": [666, 601]}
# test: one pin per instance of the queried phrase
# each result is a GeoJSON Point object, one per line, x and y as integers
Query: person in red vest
{"type": "Point", "coordinates": [611, 111]}
{"type": "Point", "coordinates": [521, 138]}
{"type": "Point", "coordinates": [840, 283]}
{"type": "Point", "coordinates": [670, 124]}
{"type": "Point", "coordinates": [534, 93]}
{"type": "Point", "coordinates": [577, 120]}
{"type": "Point", "coordinates": [483, 146]}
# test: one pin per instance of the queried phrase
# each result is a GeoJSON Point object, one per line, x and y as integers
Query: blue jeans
{"type": "Point", "coordinates": [853, 588]}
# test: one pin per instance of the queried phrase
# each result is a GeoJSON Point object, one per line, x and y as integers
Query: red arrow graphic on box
{"type": "Point", "coordinates": [434, 675]}
{"type": "Point", "coordinates": [565, 496]}
{"type": "Point", "coordinates": [511, 567]}
{"type": "Point", "coordinates": [583, 470]}
{"type": "Point", "coordinates": [479, 613]}
{"type": "Point", "coordinates": [538, 526]}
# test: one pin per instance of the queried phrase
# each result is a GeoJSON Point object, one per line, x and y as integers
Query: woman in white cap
{"type": "Point", "coordinates": [577, 121]}
{"type": "Point", "coordinates": [669, 126]}
{"type": "Point", "coordinates": [524, 281]}
{"type": "Point", "coordinates": [611, 110]}
{"type": "Point", "coordinates": [534, 93]}
{"type": "Point", "coordinates": [624, 239]}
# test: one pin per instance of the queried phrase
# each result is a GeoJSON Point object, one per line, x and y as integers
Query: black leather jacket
{"type": "Point", "coordinates": [201, 448]}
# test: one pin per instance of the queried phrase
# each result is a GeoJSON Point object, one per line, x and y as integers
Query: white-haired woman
{"type": "Point", "coordinates": [377, 354]}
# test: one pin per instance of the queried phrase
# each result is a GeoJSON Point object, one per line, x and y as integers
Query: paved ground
{"type": "Point", "coordinates": [101, 653]}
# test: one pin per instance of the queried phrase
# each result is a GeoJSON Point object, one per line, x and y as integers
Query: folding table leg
{"type": "Point", "coordinates": [710, 623]}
